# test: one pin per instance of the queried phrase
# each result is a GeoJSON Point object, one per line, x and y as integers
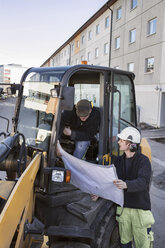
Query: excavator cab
{"type": "Point", "coordinates": [60, 211]}
{"type": "Point", "coordinates": [111, 91]}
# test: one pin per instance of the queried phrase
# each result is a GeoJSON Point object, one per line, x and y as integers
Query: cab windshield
{"type": "Point", "coordinates": [34, 120]}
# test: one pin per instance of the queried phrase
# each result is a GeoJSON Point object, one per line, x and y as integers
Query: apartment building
{"type": "Point", "coordinates": [11, 73]}
{"type": "Point", "coordinates": [129, 35]}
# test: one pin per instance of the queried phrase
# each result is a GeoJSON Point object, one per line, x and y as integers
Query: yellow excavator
{"type": "Point", "coordinates": [39, 207]}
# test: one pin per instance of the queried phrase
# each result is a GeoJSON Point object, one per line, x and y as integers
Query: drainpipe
{"type": "Point", "coordinates": [110, 37]}
{"type": "Point", "coordinates": [158, 89]}
{"type": "Point", "coordinates": [69, 53]}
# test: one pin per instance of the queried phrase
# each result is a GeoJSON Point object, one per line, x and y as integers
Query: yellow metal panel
{"type": "Point", "coordinates": [145, 148]}
{"type": "Point", "coordinates": [5, 188]}
{"type": "Point", "coordinates": [20, 242]}
{"type": "Point", "coordinates": [19, 205]}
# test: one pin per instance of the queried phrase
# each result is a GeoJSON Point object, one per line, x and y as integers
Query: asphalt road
{"type": "Point", "coordinates": [156, 139]}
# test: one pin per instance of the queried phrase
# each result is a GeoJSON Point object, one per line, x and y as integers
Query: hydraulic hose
{"type": "Point", "coordinates": [8, 144]}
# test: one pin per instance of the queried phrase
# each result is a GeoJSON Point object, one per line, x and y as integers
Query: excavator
{"type": "Point", "coordinates": [39, 207]}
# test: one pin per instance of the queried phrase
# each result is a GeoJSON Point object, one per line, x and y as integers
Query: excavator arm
{"type": "Point", "coordinates": [19, 208]}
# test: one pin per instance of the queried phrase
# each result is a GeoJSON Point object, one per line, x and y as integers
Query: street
{"type": "Point", "coordinates": [156, 139]}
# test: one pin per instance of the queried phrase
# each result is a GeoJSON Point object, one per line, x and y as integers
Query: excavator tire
{"type": "Point", "coordinates": [107, 234]}
{"type": "Point", "coordinates": [69, 245]}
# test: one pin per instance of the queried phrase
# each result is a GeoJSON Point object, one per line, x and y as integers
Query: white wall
{"type": "Point", "coordinates": [148, 100]}
{"type": "Point", "coordinates": [145, 46]}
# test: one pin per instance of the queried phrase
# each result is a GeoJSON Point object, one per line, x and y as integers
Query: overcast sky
{"type": "Point", "coordinates": [31, 30]}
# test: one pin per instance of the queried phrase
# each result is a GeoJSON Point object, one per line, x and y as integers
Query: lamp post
{"type": "Point", "coordinates": [110, 37]}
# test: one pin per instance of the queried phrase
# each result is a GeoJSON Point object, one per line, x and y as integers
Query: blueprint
{"type": "Point", "coordinates": [93, 178]}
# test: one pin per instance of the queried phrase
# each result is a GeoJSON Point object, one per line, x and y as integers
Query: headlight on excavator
{"type": "Point", "coordinates": [58, 176]}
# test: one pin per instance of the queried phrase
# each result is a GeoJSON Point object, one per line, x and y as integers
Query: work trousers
{"type": "Point", "coordinates": [135, 224]}
{"type": "Point", "coordinates": [80, 148]}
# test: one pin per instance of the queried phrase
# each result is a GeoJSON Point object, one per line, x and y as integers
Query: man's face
{"type": "Point", "coordinates": [123, 145]}
{"type": "Point", "coordinates": [84, 118]}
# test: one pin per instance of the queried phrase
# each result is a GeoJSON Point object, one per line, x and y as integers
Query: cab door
{"type": "Point", "coordinates": [122, 110]}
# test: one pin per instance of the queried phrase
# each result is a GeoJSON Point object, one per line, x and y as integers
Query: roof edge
{"type": "Point", "coordinates": [84, 26]}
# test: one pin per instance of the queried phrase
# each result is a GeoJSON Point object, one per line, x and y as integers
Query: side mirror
{"type": "Point", "coordinates": [67, 96]}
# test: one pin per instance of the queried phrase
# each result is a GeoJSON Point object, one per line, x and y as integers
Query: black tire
{"type": "Point", "coordinates": [69, 245]}
{"type": "Point", "coordinates": [107, 235]}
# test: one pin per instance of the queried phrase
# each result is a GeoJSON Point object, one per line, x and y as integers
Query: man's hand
{"type": "Point", "coordinates": [120, 184]}
{"type": "Point", "coordinates": [58, 149]}
{"type": "Point", "coordinates": [94, 197]}
{"type": "Point", "coordinates": [67, 131]}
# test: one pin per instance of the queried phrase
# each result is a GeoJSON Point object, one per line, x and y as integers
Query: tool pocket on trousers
{"type": "Point", "coordinates": [119, 211]}
{"type": "Point", "coordinates": [151, 236]}
{"type": "Point", "coordinates": [146, 218]}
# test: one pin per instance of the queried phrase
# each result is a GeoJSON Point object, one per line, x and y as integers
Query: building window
{"type": "Point", "coordinates": [118, 13]}
{"type": "Point", "coordinates": [96, 52]}
{"type": "Point", "coordinates": [7, 72]}
{"type": "Point", "coordinates": [131, 67]}
{"type": "Point", "coordinates": [152, 26]}
{"type": "Point", "coordinates": [83, 39]}
{"type": "Point", "coordinates": [77, 61]}
{"type": "Point", "coordinates": [106, 48]}
{"type": "Point", "coordinates": [67, 62]}
{"type": "Point", "coordinates": [90, 35]}
{"type": "Point", "coordinates": [117, 42]}
{"type": "Point", "coordinates": [107, 22]}
{"type": "Point", "coordinates": [132, 35]}
{"type": "Point", "coordinates": [89, 56]}
{"type": "Point", "coordinates": [72, 48]}
{"type": "Point", "coordinates": [133, 4]}
{"type": "Point", "coordinates": [77, 43]}
{"type": "Point", "coordinates": [82, 58]}
{"type": "Point", "coordinates": [97, 29]}
{"type": "Point", "coordinates": [149, 64]}
{"type": "Point", "coordinates": [7, 79]}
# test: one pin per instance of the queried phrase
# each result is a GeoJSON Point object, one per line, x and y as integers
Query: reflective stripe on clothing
{"type": "Point", "coordinates": [134, 225]}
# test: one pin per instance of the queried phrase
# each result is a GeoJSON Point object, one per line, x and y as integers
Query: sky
{"type": "Point", "coordinates": [32, 30]}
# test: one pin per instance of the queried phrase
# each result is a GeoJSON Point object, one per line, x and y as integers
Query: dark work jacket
{"type": "Point", "coordinates": [137, 179]}
{"type": "Point", "coordinates": [81, 131]}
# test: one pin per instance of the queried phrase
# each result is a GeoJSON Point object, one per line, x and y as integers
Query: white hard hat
{"type": "Point", "coordinates": [131, 134]}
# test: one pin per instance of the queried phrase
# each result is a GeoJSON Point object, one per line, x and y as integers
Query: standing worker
{"type": "Point", "coordinates": [134, 173]}
{"type": "Point", "coordinates": [80, 125]}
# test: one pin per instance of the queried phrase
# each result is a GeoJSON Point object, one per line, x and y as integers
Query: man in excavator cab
{"type": "Point", "coordinates": [80, 126]}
